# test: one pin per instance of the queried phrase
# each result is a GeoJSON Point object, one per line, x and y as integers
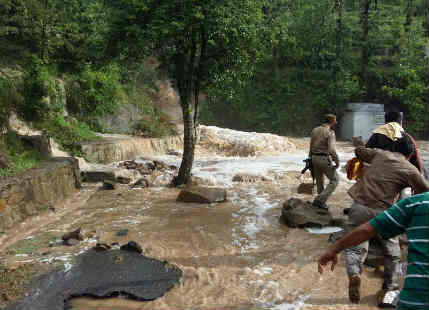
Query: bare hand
{"type": "Point", "coordinates": [328, 256]}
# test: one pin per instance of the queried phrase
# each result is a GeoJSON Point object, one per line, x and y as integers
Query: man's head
{"type": "Point", "coordinates": [331, 119]}
{"type": "Point", "coordinates": [393, 116]}
{"type": "Point", "coordinates": [405, 146]}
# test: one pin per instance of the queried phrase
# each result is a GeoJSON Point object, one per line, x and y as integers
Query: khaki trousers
{"type": "Point", "coordinates": [322, 167]}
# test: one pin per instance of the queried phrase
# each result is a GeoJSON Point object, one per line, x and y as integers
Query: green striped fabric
{"type": "Point", "coordinates": [410, 215]}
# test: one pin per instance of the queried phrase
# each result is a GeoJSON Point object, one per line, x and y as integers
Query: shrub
{"type": "Point", "coordinates": [68, 133]}
{"type": "Point", "coordinates": [154, 123]}
{"type": "Point", "coordinates": [10, 98]}
{"type": "Point", "coordinates": [95, 92]}
{"type": "Point", "coordinates": [21, 155]}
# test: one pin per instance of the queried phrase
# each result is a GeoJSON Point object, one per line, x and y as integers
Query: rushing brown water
{"type": "Point", "coordinates": [234, 255]}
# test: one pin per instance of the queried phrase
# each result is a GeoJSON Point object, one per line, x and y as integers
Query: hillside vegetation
{"type": "Point", "coordinates": [316, 56]}
{"type": "Point", "coordinates": [271, 66]}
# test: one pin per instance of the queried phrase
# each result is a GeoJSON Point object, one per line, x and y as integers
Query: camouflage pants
{"type": "Point", "coordinates": [355, 256]}
{"type": "Point", "coordinates": [322, 166]}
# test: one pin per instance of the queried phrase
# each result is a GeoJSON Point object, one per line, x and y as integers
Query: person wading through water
{"type": "Point", "coordinates": [377, 190]}
{"type": "Point", "coordinates": [322, 153]}
{"type": "Point", "coordinates": [408, 216]}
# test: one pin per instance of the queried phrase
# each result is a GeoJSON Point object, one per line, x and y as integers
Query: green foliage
{"type": "Point", "coordinates": [197, 43]}
{"type": "Point", "coordinates": [154, 123]}
{"type": "Point", "coordinates": [157, 126]}
{"type": "Point", "coordinates": [41, 93]}
{"type": "Point", "coordinates": [409, 87]}
{"type": "Point", "coordinates": [310, 57]}
{"type": "Point", "coordinates": [10, 99]}
{"type": "Point", "coordinates": [314, 62]}
{"type": "Point", "coordinates": [303, 74]}
{"type": "Point", "coordinates": [21, 155]}
{"type": "Point", "coordinates": [67, 132]}
{"type": "Point", "coordinates": [95, 92]}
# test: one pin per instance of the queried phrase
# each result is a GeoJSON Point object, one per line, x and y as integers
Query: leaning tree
{"type": "Point", "coordinates": [199, 42]}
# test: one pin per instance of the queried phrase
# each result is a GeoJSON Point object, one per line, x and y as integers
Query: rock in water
{"type": "Point", "coordinates": [201, 194]}
{"type": "Point", "coordinates": [100, 274]}
{"type": "Point", "coordinates": [132, 246]}
{"type": "Point", "coordinates": [298, 213]}
{"type": "Point", "coordinates": [76, 234]}
{"type": "Point", "coordinates": [109, 185]}
{"type": "Point", "coordinates": [305, 188]}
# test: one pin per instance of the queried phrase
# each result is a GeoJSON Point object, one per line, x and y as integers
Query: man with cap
{"type": "Point", "coordinates": [323, 153]}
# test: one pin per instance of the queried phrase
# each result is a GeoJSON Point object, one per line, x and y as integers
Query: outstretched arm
{"type": "Point", "coordinates": [357, 236]}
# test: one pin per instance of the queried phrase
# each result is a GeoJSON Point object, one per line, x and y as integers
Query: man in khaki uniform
{"type": "Point", "coordinates": [375, 192]}
{"type": "Point", "coordinates": [322, 153]}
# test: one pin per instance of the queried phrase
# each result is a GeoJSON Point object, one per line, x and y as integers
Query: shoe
{"type": "Point", "coordinates": [354, 289]}
{"type": "Point", "coordinates": [387, 299]}
{"type": "Point", "coordinates": [319, 204]}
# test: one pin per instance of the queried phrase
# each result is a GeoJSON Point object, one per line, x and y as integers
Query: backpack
{"type": "Point", "coordinates": [355, 169]}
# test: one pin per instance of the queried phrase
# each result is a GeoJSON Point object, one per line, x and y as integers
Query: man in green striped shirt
{"type": "Point", "coordinates": [410, 216]}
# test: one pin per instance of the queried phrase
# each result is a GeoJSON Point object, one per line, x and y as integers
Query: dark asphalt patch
{"type": "Point", "coordinates": [101, 274]}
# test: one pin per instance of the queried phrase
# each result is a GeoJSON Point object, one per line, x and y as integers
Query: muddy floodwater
{"type": "Point", "coordinates": [234, 255]}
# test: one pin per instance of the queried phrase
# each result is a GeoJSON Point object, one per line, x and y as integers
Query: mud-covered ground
{"type": "Point", "coordinates": [234, 255]}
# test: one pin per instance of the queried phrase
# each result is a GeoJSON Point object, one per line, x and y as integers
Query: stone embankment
{"type": "Point", "coordinates": [113, 148]}
{"type": "Point", "coordinates": [226, 142]}
{"type": "Point", "coordinates": [37, 190]}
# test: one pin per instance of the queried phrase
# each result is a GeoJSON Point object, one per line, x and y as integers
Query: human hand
{"type": "Point", "coordinates": [325, 258]}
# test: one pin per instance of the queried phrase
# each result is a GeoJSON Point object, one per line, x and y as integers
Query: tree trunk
{"type": "Point", "coordinates": [409, 16]}
{"type": "Point", "coordinates": [338, 51]}
{"type": "Point", "coordinates": [189, 136]}
{"type": "Point", "coordinates": [365, 44]}
{"type": "Point", "coordinates": [44, 25]}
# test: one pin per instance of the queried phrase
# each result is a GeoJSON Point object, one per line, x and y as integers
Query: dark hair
{"type": "Point", "coordinates": [405, 145]}
{"type": "Point", "coordinates": [393, 116]}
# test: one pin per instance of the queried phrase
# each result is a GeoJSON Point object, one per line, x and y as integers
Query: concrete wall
{"type": "Point", "coordinates": [360, 119]}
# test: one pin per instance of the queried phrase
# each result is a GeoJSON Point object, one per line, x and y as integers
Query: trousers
{"type": "Point", "coordinates": [322, 166]}
{"type": "Point", "coordinates": [356, 255]}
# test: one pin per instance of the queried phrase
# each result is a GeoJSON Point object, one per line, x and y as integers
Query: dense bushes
{"type": "Point", "coordinates": [42, 96]}
{"type": "Point", "coordinates": [95, 92]}
{"type": "Point", "coordinates": [21, 155]}
{"type": "Point", "coordinates": [10, 98]}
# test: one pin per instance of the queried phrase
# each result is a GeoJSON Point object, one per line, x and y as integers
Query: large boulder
{"type": "Point", "coordinates": [99, 173]}
{"type": "Point", "coordinates": [305, 188]}
{"type": "Point", "coordinates": [298, 213]}
{"type": "Point", "coordinates": [201, 194]}
{"type": "Point", "coordinates": [248, 178]}
{"type": "Point", "coordinates": [101, 272]}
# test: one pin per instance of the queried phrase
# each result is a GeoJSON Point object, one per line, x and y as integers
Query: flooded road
{"type": "Point", "coordinates": [234, 255]}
